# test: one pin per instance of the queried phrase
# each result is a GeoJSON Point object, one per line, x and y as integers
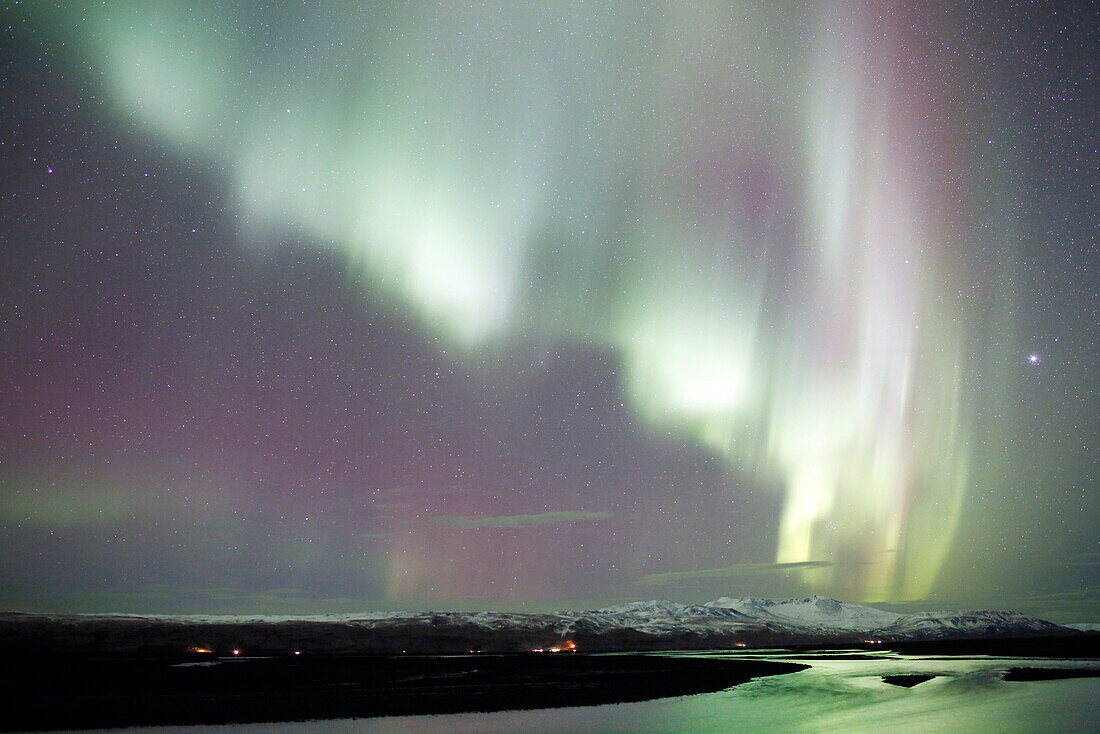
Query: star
{"type": "Point", "coordinates": [1034, 358]}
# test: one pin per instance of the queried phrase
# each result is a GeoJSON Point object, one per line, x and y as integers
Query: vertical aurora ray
{"type": "Point", "coordinates": [748, 218]}
{"type": "Point", "coordinates": [853, 394]}
{"type": "Point", "coordinates": [866, 420]}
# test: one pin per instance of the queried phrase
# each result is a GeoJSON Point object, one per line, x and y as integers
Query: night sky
{"type": "Point", "coordinates": [336, 306]}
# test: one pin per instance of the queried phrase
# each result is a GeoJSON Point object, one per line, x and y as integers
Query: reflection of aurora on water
{"type": "Point", "coordinates": [750, 209]}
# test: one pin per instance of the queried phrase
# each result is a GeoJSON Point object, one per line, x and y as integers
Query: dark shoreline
{"type": "Point", "coordinates": [63, 692]}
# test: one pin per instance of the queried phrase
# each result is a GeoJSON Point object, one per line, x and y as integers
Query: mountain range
{"type": "Point", "coordinates": [725, 623]}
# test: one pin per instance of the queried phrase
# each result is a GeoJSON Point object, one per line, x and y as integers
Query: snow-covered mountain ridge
{"type": "Point", "coordinates": [816, 610]}
{"type": "Point", "coordinates": [645, 625]}
{"type": "Point", "coordinates": [819, 616]}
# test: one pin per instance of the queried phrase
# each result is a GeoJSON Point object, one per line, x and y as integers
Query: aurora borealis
{"type": "Point", "coordinates": [402, 305]}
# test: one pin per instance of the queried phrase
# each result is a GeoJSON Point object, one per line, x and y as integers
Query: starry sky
{"type": "Point", "coordinates": [334, 306]}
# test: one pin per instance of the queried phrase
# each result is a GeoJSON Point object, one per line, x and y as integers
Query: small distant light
{"type": "Point", "coordinates": [1034, 358]}
{"type": "Point", "coordinates": [236, 652]}
{"type": "Point", "coordinates": [297, 652]}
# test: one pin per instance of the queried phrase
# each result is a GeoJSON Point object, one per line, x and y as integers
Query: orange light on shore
{"type": "Point", "coordinates": [204, 650]}
{"type": "Point", "coordinates": [567, 646]}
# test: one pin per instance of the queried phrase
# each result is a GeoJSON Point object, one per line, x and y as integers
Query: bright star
{"type": "Point", "coordinates": [1033, 358]}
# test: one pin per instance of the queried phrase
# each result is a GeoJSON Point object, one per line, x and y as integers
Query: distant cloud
{"type": "Point", "coordinates": [73, 506]}
{"type": "Point", "coordinates": [1088, 593]}
{"type": "Point", "coordinates": [1068, 606]}
{"type": "Point", "coordinates": [475, 522]}
{"type": "Point", "coordinates": [1082, 559]}
{"type": "Point", "coordinates": [172, 599]}
{"type": "Point", "coordinates": [738, 570]}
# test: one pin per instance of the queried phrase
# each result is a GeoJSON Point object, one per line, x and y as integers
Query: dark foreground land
{"type": "Point", "coordinates": [1029, 674]}
{"type": "Point", "coordinates": [58, 692]}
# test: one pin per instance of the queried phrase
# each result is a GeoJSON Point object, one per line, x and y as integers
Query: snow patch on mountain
{"type": "Point", "coordinates": [652, 608]}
